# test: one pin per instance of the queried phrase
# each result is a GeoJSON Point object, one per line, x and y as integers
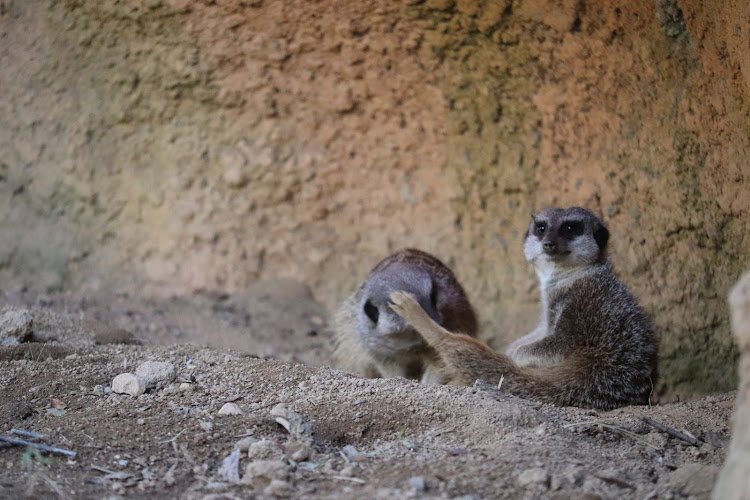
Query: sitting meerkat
{"type": "Point", "coordinates": [370, 339]}
{"type": "Point", "coordinates": [594, 346]}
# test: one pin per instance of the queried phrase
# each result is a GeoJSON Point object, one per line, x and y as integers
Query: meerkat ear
{"type": "Point", "coordinates": [601, 236]}
{"type": "Point", "coordinates": [526, 234]}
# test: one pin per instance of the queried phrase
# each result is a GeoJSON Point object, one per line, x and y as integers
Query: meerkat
{"type": "Point", "coordinates": [594, 347]}
{"type": "Point", "coordinates": [372, 340]}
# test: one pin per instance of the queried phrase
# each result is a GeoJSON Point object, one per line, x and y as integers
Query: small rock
{"type": "Point", "coordinates": [127, 383]}
{"type": "Point", "coordinates": [533, 476]}
{"type": "Point", "coordinates": [417, 482]}
{"type": "Point", "coordinates": [230, 409]}
{"type": "Point", "coordinates": [260, 473]}
{"type": "Point", "coordinates": [207, 426]}
{"type": "Point", "coordinates": [230, 468]}
{"type": "Point", "coordinates": [263, 450]}
{"type": "Point", "coordinates": [694, 480]}
{"type": "Point", "coordinates": [348, 471]}
{"type": "Point", "coordinates": [16, 326]}
{"type": "Point", "coordinates": [293, 422]}
{"type": "Point", "coordinates": [156, 373]}
{"type": "Point", "coordinates": [185, 387]}
{"type": "Point", "coordinates": [350, 453]}
{"type": "Point", "coordinates": [278, 488]}
{"type": "Point", "coordinates": [244, 443]}
{"type": "Point", "coordinates": [299, 452]}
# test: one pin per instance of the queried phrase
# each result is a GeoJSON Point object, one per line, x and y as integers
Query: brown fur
{"type": "Point", "coordinates": [594, 348]}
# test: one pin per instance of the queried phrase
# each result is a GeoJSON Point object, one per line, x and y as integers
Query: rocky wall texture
{"type": "Point", "coordinates": [174, 146]}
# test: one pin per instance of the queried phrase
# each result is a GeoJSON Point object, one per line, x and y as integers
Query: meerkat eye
{"type": "Point", "coordinates": [541, 228]}
{"type": "Point", "coordinates": [371, 311]}
{"type": "Point", "coordinates": [573, 229]}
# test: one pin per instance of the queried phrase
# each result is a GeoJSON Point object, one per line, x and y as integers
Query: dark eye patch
{"type": "Point", "coordinates": [571, 229]}
{"type": "Point", "coordinates": [371, 311]}
{"type": "Point", "coordinates": [434, 295]}
{"type": "Point", "coordinates": [540, 228]}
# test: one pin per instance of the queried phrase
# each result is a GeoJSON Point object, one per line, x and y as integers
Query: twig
{"type": "Point", "coordinates": [352, 479]}
{"type": "Point", "coordinates": [614, 428]}
{"type": "Point", "coordinates": [101, 469]}
{"type": "Point", "coordinates": [672, 432]}
{"type": "Point", "coordinates": [29, 434]}
{"type": "Point", "coordinates": [111, 475]}
{"type": "Point", "coordinates": [652, 391]}
{"type": "Point", "coordinates": [614, 480]}
{"type": "Point", "coordinates": [38, 446]}
{"type": "Point", "coordinates": [39, 355]}
{"type": "Point", "coordinates": [264, 406]}
{"type": "Point", "coordinates": [172, 439]}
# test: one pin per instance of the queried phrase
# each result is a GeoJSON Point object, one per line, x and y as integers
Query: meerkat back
{"type": "Point", "coordinates": [370, 339]}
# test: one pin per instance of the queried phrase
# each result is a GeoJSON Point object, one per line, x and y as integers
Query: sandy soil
{"type": "Point", "coordinates": [348, 437]}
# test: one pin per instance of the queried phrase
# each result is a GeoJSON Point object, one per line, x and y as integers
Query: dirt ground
{"type": "Point", "coordinates": [347, 437]}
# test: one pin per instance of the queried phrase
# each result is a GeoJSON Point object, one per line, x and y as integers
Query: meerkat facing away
{"type": "Point", "coordinates": [370, 339]}
{"type": "Point", "coordinates": [594, 346]}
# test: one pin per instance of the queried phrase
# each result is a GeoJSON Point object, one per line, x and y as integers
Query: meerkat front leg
{"type": "Point", "coordinates": [466, 359]}
{"type": "Point", "coordinates": [544, 353]}
{"type": "Point", "coordinates": [408, 308]}
{"type": "Point", "coordinates": [537, 334]}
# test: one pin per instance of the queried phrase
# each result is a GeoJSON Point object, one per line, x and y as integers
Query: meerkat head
{"type": "Point", "coordinates": [565, 237]}
{"type": "Point", "coordinates": [379, 327]}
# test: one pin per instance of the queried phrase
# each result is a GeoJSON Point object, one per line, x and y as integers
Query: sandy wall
{"type": "Point", "coordinates": [172, 146]}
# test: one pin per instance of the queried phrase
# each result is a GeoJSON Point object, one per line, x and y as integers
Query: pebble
{"type": "Point", "coordinates": [696, 480]}
{"type": "Point", "coordinates": [278, 488]}
{"type": "Point", "coordinates": [302, 454]}
{"type": "Point", "coordinates": [264, 449]}
{"type": "Point", "coordinates": [533, 476]}
{"type": "Point", "coordinates": [185, 387]}
{"type": "Point", "coordinates": [127, 383]}
{"type": "Point", "coordinates": [261, 472]}
{"type": "Point", "coordinates": [417, 482]}
{"type": "Point", "coordinates": [207, 426]}
{"type": "Point", "coordinates": [244, 443]}
{"type": "Point", "coordinates": [230, 468]}
{"type": "Point", "coordinates": [230, 409]}
{"type": "Point", "coordinates": [156, 373]}
{"type": "Point", "coordinates": [16, 326]}
{"type": "Point", "coordinates": [293, 422]}
{"type": "Point", "coordinates": [350, 453]}
{"type": "Point", "coordinates": [348, 471]}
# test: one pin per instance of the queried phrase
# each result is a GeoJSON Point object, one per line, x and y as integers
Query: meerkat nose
{"type": "Point", "coordinates": [549, 245]}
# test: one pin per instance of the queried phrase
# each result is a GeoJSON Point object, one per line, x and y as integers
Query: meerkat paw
{"type": "Point", "coordinates": [406, 306]}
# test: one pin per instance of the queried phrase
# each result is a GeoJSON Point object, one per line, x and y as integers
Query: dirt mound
{"type": "Point", "coordinates": [372, 438]}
